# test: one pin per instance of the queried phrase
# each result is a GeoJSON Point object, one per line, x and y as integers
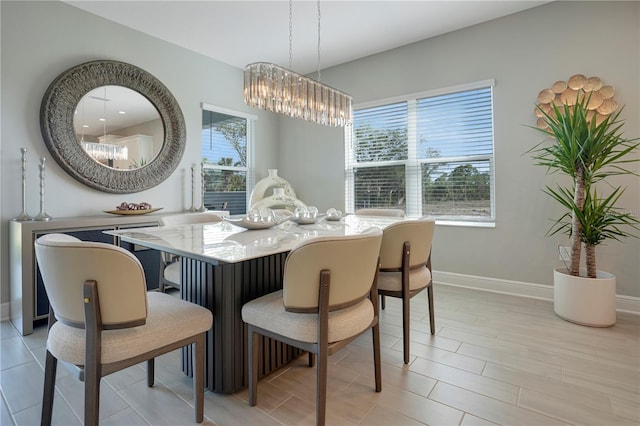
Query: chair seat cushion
{"type": "Point", "coordinates": [268, 312]}
{"type": "Point", "coordinates": [392, 281]}
{"type": "Point", "coordinates": [172, 272]}
{"type": "Point", "coordinates": [169, 320]}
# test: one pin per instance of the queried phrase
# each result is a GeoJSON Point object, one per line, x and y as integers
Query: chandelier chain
{"type": "Point", "coordinates": [319, 79]}
{"type": "Point", "coordinates": [290, 32]}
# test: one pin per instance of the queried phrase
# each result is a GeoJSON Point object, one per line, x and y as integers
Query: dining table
{"type": "Point", "coordinates": [223, 266]}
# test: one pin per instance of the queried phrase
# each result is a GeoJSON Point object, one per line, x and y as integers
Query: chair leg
{"type": "Point", "coordinates": [321, 392]}
{"type": "Point", "coordinates": [406, 308]}
{"type": "Point", "coordinates": [93, 351]}
{"type": "Point", "coordinates": [91, 394]}
{"type": "Point", "coordinates": [51, 365]}
{"type": "Point", "coordinates": [376, 356]}
{"type": "Point", "coordinates": [312, 359]}
{"type": "Point", "coordinates": [432, 320]}
{"type": "Point", "coordinates": [198, 378]}
{"type": "Point", "coordinates": [254, 344]}
{"type": "Point", "coordinates": [150, 372]}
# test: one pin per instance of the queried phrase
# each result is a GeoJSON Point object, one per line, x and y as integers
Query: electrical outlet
{"type": "Point", "coordinates": [565, 253]}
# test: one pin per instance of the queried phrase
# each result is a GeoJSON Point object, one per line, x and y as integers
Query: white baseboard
{"type": "Point", "coordinates": [4, 311]}
{"type": "Point", "coordinates": [628, 304]}
{"type": "Point", "coordinates": [496, 285]}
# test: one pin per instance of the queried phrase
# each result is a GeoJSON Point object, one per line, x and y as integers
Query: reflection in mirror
{"type": "Point", "coordinates": [118, 127]}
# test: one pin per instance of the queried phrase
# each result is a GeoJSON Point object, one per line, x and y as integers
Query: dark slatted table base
{"type": "Point", "coordinates": [223, 289]}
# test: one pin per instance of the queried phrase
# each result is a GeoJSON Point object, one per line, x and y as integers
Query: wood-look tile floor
{"type": "Point", "coordinates": [495, 359]}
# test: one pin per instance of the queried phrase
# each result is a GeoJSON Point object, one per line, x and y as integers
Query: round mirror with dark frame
{"type": "Point", "coordinates": [112, 162]}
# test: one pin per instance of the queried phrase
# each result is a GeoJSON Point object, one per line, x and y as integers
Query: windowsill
{"type": "Point", "coordinates": [463, 223]}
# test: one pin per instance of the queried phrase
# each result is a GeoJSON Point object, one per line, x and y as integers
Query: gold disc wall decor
{"type": "Point", "coordinates": [577, 88]}
{"type": "Point", "coordinates": [577, 81]}
{"type": "Point", "coordinates": [595, 100]}
{"type": "Point", "coordinates": [559, 86]}
{"type": "Point", "coordinates": [592, 84]}
{"type": "Point", "coordinates": [546, 96]}
{"type": "Point", "coordinates": [569, 96]}
{"type": "Point", "coordinates": [607, 92]}
{"type": "Point", "coordinates": [607, 107]}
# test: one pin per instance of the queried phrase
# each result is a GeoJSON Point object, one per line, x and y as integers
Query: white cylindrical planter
{"type": "Point", "coordinates": [585, 301]}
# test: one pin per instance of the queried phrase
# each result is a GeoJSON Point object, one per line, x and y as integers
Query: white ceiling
{"type": "Point", "coordinates": [240, 32]}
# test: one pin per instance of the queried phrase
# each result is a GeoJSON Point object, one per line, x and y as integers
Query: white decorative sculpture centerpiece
{"type": "Point", "coordinates": [264, 187]}
{"type": "Point", "coordinates": [279, 200]}
{"type": "Point", "coordinates": [274, 192]}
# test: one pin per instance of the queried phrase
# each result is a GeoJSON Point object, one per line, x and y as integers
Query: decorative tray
{"type": "Point", "coordinates": [249, 224]}
{"type": "Point", "coordinates": [307, 220]}
{"type": "Point", "coordinates": [133, 212]}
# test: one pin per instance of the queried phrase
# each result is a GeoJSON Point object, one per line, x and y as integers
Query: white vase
{"type": "Point", "coordinates": [265, 187]}
{"type": "Point", "coordinates": [585, 301]}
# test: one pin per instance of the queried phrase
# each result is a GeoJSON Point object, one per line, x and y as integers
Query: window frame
{"type": "Point", "coordinates": [413, 165]}
{"type": "Point", "coordinates": [249, 169]}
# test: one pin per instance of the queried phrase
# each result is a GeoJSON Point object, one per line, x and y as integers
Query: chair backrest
{"type": "Point", "coordinates": [66, 263]}
{"type": "Point", "coordinates": [352, 260]}
{"type": "Point", "coordinates": [189, 218]}
{"type": "Point", "coordinates": [419, 234]}
{"type": "Point", "coordinates": [381, 212]}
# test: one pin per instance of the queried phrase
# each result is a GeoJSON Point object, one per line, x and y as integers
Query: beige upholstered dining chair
{"type": "Point", "coordinates": [380, 212]}
{"type": "Point", "coordinates": [170, 264]}
{"type": "Point", "coordinates": [329, 298]}
{"type": "Point", "coordinates": [103, 320]}
{"type": "Point", "coordinates": [405, 267]}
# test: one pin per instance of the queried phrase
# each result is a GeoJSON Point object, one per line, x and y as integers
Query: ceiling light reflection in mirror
{"type": "Point", "coordinates": [118, 127]}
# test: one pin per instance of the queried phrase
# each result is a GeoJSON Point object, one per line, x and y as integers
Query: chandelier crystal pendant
{"type": "Point", "coordinates": [277, 89]}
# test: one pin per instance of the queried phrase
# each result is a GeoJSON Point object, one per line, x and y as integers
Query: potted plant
{"type": "Point", "coordinates": [588, 149]}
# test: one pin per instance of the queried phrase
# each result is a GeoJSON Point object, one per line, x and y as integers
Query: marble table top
{"type": "Point", "coordinates": [223, 242]}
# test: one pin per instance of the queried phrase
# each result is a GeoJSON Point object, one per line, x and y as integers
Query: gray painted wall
{"type": "Point", "coordinates": [42, 39]}
{"type": "Point", "coordinates": [524, 53]}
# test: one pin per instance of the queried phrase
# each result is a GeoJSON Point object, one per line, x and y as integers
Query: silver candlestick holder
{"type": "Point", "coordinates": [42, 215]}
{"type": "Point", "coordinates": [23, 216]}
{"type": "Point", "coordinates": [193, 188]}
{"type": "Point", "coordinates": [202, 187]}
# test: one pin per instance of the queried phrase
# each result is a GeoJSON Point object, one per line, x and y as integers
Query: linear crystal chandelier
{"type": "Point", "coordinates": [275, 88]}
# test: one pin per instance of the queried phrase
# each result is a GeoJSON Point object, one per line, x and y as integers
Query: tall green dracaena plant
{"type": "Point", "coordinates": [588, 152]}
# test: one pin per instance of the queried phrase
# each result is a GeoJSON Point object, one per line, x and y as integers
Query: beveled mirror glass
{"type": "Point", "coordinates": [126, 158]}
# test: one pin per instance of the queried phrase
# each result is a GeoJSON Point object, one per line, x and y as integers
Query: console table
{"type": "Point", "coordinates": [28, 301]}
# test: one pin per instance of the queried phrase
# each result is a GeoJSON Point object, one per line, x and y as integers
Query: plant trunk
{"type": "Point", "coordinates": [576, 226]}
{"type": "Point", "coordinates": [591, 260]}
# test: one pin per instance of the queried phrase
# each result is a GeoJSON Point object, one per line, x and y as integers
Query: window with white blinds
{"type": "Point", "coordinates": [226, 141]}
{"type": "Point", "coordinates": [429, 154]}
